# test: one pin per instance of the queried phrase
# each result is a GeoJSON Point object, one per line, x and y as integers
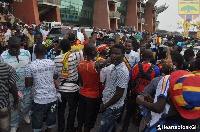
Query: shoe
{"type": "Point", "coordinates": [13, 129]}
{"type": "Point", "coordinates": [27, 118]}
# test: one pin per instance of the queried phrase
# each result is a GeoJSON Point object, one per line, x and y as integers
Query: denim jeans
{"type": "Point", "coordinates": [72, 99]}
{"type": "Point", "coordinates": [108, 119]}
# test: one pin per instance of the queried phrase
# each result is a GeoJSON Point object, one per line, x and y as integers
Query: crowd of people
{"type": "Point", "coordinates": [155, 85]}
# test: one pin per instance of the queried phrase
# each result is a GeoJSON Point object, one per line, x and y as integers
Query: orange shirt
{"type": "Point", "coordinates": [90, 79]}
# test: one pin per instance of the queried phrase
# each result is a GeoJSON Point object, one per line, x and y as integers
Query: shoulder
{"type": "Point", "coordinates": [123, 69]}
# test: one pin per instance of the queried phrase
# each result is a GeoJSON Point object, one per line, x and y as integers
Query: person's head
{"type": "Point", "coordinates": [117, 54]}
{"type": "Point", "coordinates": [40, 50]}
{"type": "Point", "coordinates": [65, 45]}
{"type": "Point", "coordinates": [5, 28]}
{"type": "Point", "coordinates": [176, 48]}
{"type": "Point", "coordinates": [111, 42]}
{"type": "Point", "coordinates": [72, 39]}
{"type": "Point", "coordinates": [37, 29]}
{"type": "Point", "coordinates": [46, 28]}
{"type": "Point", "coordinates": [90, 50]}
{"type": "Point", "coordinates": [102, 50]}
{"type": "Point", "coordinates": [147, 55]}
{"type": "Point", "coordinates": [177, 60]}
{"type": "Point", "coordinates": [197, 63]}
{"type": "Point", "coordinates": [142, 47]}
{"type": "Point", "coordinates": [30, 31]}
{"type": "Point", "coordinates": [14, 46]}
{"type": "Point", "coordinates": [18, 28]}
{"type": "Point", "coordinates": [184, 96]}
{"type": "Point", "coordinates": [189, 55]}
{"type": "Point", "coordinates": [128, 46]}
{"type": "Point", "coordinates": [148, 40]}
{"type": "Point", "coordinates": [38, 38]}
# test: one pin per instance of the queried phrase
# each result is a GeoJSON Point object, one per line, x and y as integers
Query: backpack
{"type": "Point", "coordinates": [141, 81]}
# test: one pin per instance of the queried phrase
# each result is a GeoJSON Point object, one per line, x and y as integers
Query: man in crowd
{"type": "Point", "coordinates": [68, 86]}
{"type": "Point", "coordinates": [18, 58]}
{"type": "Point", "coordinates": [115, 89]}
{"type": "Point", "coordinates": [7, 83]}
{"type": "Point", "coordinates": [41, 73]}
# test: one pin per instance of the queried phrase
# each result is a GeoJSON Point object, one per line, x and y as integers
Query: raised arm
{"type": "Point", "coordinates": [84, 34]}
{"type": "Point", "coordinates": [94, 36]}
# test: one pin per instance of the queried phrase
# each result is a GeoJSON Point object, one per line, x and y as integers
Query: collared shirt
{"type": "Point", "coordinates": [118, 77]}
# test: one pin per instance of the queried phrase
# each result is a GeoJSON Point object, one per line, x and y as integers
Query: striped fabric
{"type": "Point", "coordinates": [73, 60]}
{"type": "Point", "coordinates": [8, 76]}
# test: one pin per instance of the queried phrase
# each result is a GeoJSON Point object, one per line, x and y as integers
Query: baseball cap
{"type": "Point", "coordinates": [185, 93]}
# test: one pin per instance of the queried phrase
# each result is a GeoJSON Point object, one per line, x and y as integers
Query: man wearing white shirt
{"type": "Point", "coordinates": [45, 32]}
{"type": "Point", "coordinates": [131, 56]}
{"type": "Point", "coordinates": [38, 40]}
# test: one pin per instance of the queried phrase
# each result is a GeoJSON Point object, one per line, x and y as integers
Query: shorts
{"type": "Point", "coordinates": [88, 110]}
{"type": "Point", "coordinates": [43, 110]}
{"type": "Point", "coordinates": [5, 117]}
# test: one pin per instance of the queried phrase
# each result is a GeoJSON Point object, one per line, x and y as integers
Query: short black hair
{"type": "Point", "coordinates": [72, 38]}
{"type": "Point", "coordinates": [14, 40]}
{"type": "Point", "coordinates": [119, 46]}
{"type": "Point", "coordinates": [197, 62]}
{"type": "Point", "coordinates": [147, 54]}
{"type": "Point", "coordinates": [38, 33]}
{"type": "Point", "coordinates": [88, 48]}
{"type": "Point", "coordinates": [65, 45]}
{"type": "Point", "coordinates": [40, 49]}
{"type": "Point", "coordinates": [178, 58]}
{"type": "Point", "coordinates": [189, 53]}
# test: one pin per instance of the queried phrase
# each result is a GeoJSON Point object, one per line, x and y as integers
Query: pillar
{"type": "Point", "coordinates": [148, 17]}
{"type": "Point", "coordinates": [101, 14]}
{"type": "Point", "coordinates": [27, 11]}
{"type": "Point", "coordinates": [131, 15]}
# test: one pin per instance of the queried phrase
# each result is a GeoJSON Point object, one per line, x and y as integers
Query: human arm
{"type": "Point", "coordinates": [118, 94]}
{"type": "Point", "coordinates": [70, 32]}
{"type": "Point", "coordinates": [13, 90]}
{"type": "Point", "coordinates": [117, 38]}
{"type": "Point", "coordinates": [102, 63]}
{"type": "Point", "coordinates": [94, 36]}
{"type": "Point", "coordinates": [84, 34]}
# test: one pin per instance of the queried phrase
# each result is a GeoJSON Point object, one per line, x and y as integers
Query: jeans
{"type": "Point", "coordinates": [72, 99]}
{"type": "Point", "coordinates": [132, 112]}
{"type": "Point", "coordinates": [43, 110]}
{"type": "Point", "coordinates": [108, 119]}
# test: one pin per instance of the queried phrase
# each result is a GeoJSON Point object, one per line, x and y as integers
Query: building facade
{"type": "Point", "coordinates": [30, 11]}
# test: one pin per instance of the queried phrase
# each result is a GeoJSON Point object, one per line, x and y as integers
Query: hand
{"type": "Point", "coordinates": [82, 30]}
{"type": "Point", "coordinates": [102, 107]}
{"type": "Point", "coordinates": [71, 30]}
{"type": "Point", "coordinates": [96, 29]}
{"type": "Point", "coordinates": [168, 61]}
{"type": "Point", "coordinates": [149, 98]}
{"type": "Point", "coordinates": [139, 99]}
{"type": "Point", "coordinates": [15, 106]}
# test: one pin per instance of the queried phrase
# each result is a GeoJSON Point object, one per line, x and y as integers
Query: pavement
{"type": "Point", "coordinates": [24, 127]}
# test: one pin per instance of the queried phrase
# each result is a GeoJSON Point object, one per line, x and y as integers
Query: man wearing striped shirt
{"type": "Point", "coordinates": [8, 77]}
{"type": "Point", "coordinates": [68, 87]}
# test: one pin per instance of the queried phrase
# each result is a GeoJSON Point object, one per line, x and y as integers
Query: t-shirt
{"type": "Point", "coordinates": [161, 91]}
{"type": "Point", "coordinates": [118, 77]}
{"type": "Point", "coordinates": [151, 90]}
{"type": "Point", "coordinates": [70, 84]}
{"type": "Point", "coordinates": [24, 59]}
{"type": "Point", "coordinates": [8, 76]}
{"type": "Point", "coordinates": [135, 71]}
{"type": "Point", "coordinates": [90, 78]}
{"type": "Point", "coordinates": [132, 57]}
{"type": "Point", "coordinates": [42, 72]}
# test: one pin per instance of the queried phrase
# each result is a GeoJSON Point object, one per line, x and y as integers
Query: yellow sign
{"type": "Point", "coordinates": [188, 7]}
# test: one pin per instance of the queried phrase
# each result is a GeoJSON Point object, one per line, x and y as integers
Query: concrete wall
{"type": "Point", "coordinates": [148, 18]}
{"type": "Point", "coordinates": [51, 15]}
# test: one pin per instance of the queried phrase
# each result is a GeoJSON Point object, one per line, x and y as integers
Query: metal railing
{"type": "Point", "coordinates": [141, 21]}
{"type": "Point", "coordinates": [54, 2]}
{"type": "Point", "coordinates": [114, 15]}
